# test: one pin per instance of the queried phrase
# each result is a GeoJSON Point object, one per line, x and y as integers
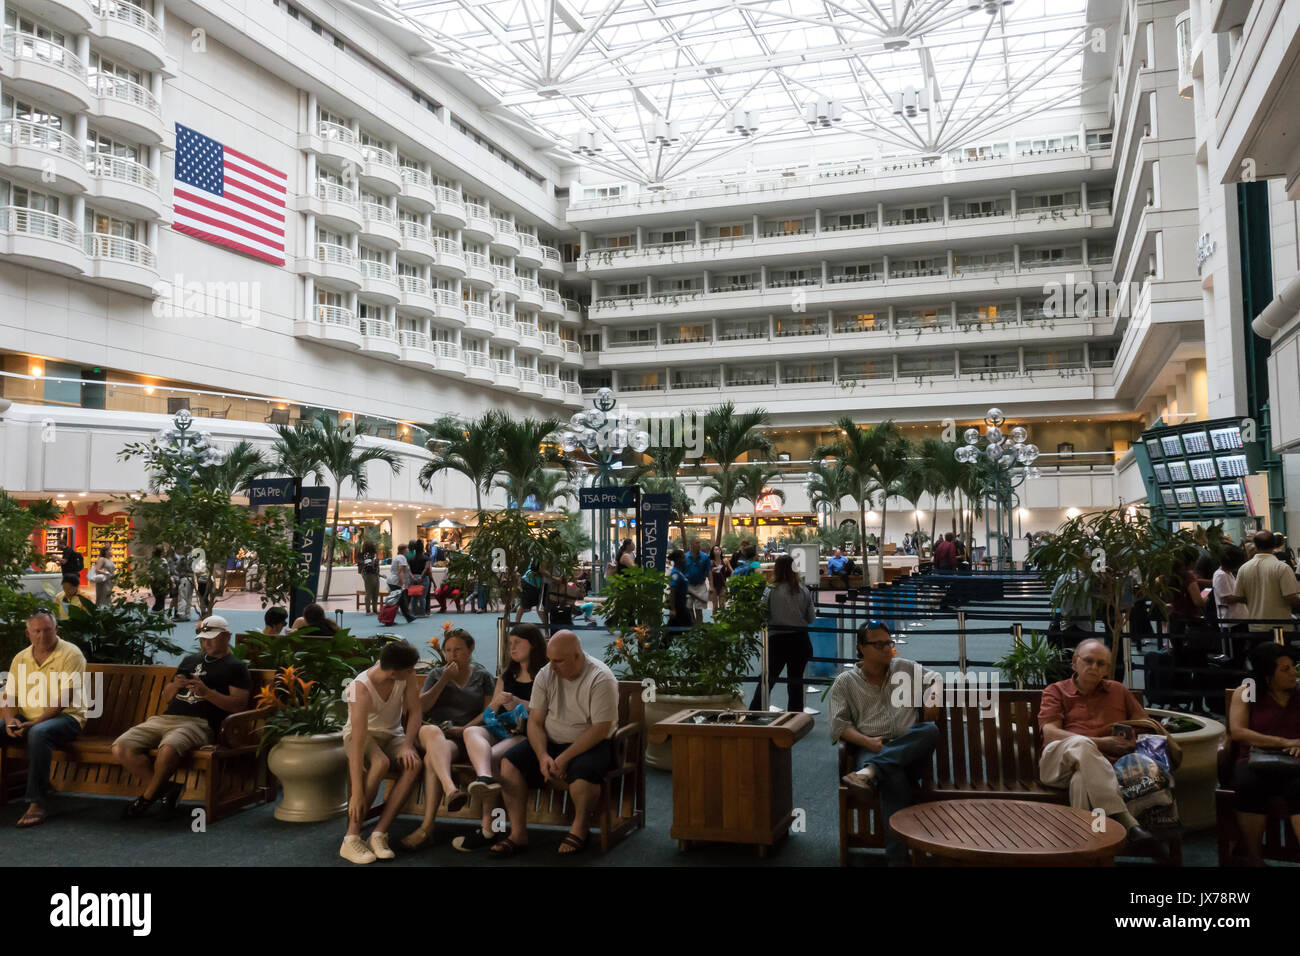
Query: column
{"type": "Point", "coordinates": [309, 237]}
{"type": "Point", "coordinates": [755, 226]}
{"type": "Point", "coordinates": [817, 221]}
{"type": "Point", "coordinates": [705, 287]}
{"type": "Point", "coordinates": [151, 236]}
{"type": "Point", "coordinates": [762, 278]}
{"type": "Point", "coordinates": [880, 216]}
{"type": "Point", "coordinates": [1015, 253]}
{"type": "Point", "coordinates": [826, 273]}
{"type": "Point", "coordinates": [889, 317]}
{"type": "Point", "coordinates": [895, 372]}
{"type": "Point", "coordinates": [640, 237]}
{"type": "Point", "coordinates": [309, 300]}
{"type": "Point", "coordinates": [1020, 311]}
{"type": "Point", "coordinates": [1020, 353]}
{"type": "Point", "coordinates": [951, 263]}
{"type": "Point", "coordinates": [699, 233]}
{"type": "Point", "coordinates": [1083, 197]}
{"type": "Point", "coordinates": [952, 308]}
{"type": "Point", "coordinates": [159, 14]}
{"type": "Point", "coordinates": [830, 323]}
{"type": "Point", "coordinates": [1013, 204]}
{"type": "Point", "coordinates": [1085, 252]}
{"type": "Point", "coordinates": [956, 363]}
{"type": "Point", "coordinates": [1087, 358]}
{"type": "Point", "coordinates": [313, 111]}
{"type": "Point", "coordinates": [885, 268]}
{"type": "Point", "coordinates": [945, 210]}
{"type": "Point", "coordinates": [155, 78]}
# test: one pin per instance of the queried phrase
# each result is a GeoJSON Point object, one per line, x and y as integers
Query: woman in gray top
{"type": "Point", "coordinates": [790, 610]}
{"type": "Point", "coordinates": [453, 698]}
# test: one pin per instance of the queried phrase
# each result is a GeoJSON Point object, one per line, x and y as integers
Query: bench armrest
{"type": "Point", "coordinates": [629, 743]}
{"type": "Point", "coordinates": [845, 754]}
{"type": "Point", "coordinates": [243, 728]}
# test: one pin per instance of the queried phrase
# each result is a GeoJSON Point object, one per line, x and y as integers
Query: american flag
{"type": "Point", "coordinates": [225, 197]}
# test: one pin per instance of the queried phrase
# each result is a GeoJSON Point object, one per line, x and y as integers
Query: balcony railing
{"type": "Point", "coordinates": [447, 299]}
{"type": "Point", "coordinates": [570, 387]}
{"type": "Point", "coordinates": [572, 348]}
{"type": "Point", "coordinates": [380, 271]}
{"type": "Point", "coordinates": [503, 322]}
{"type": "Point", "coordinates": [103, 246]}
{"type": "Point", "coordinates": [528, 241]}
{"type": "Point", "coordinates": [28, 46]}
{"type": "Point", "coordinates": [551, 339]}
{"type": "Point", "coordinates": [327, 191]}
{"type": "Point", "coordinates": [476, 260]}
{"type": "Point", "coordinates": [505, 367]}
{"type": "Point", "coordinates": [529, 375]}
{"type": "Point", "coordinates": [504, 228]}
{"type": "Point", "coordinates": [379, 156]}
{"type": "Point", "coordinates": [337, 132]}
{"type": "Point", "coordinates": [125, 91]}
{"type": "Point", "coordinates": [336, 315]}
{"type": "Point", "coordinates": [413, 285]}
{"type": "Point", "coordinates": [35, 222]}
{"type": "Point", "coordinates": [449, 247]}
{"type": "Point", "coordinates": [130, 13]}
{"type": "Point", "coordinates": [505, 275]}
{"type": "Point", "coordinates": [552, 298]}
{"type": "Point", "coordinates": [16, 132]}
{"type": "Point", "coordinates": [475, 359]}
{"type": "Point", "coordinates": [528, 331]}
{"type": "Point", "coordinates": [378, 329]}
{"type": "Point", "coordinates": [447, 350]}
{"type": "Point", "coordinates": [477, 310]}
{"type": "Point", "coordinates": [410, 339]}
{"type": "Point", "coordinates": [374, 212]}
{"type": "Point", "coordinates": [552, 255]}
{"type": "Point", "coordinates": [414, 176]}
{"type": "Point", "coordinates": [121, 170]}
{"type": "Point", "coordinates": [530, 286]}
{"type": "Point", "coordinates": [334, 254]}
{"type": "Point", "coordinates": [415, 230]}
{"type": "Point", "coordinates": [550, 381]}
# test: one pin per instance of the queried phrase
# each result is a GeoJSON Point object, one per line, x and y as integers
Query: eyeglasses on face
{"type": "Point", "coordinates": [881, 644]}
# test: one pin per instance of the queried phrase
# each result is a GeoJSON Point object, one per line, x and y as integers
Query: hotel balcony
{"type": "Point", "coordinates": [330, 325]}
{"type": "Point", "coordinates": [43, 241]}
{"type": "Point", "coordinates": [127, 109]}
{"type": "Point", "coordinates": [505, 374]}
{"type": "Point", "coordinates": [530, 251]}
{"type": "Point", "coordinates": [418, 189]}
{"type": "Point", "coordinates": [38, 154]}
{"type": "Point", "coordinates": [505, 281]}
{"type": "Point", "coordinates": [572, 313]}
{"type": "Point", "coordinates": [572, 353]}
{"type": "Point", "coordinates": [478, 224]}
{"type": "Point", "coordinates": [130, 34]}
{"type": "Point", "coordinates": [379, 338]}
{"type": "Point", "coordinates": [416, 296]}
{"type": "Point", "coordinates": [552, 390]}
{"type": "Point", "coordinates": [552, 345]}
{"type": "Point", "coordinates": [122, 264]}
{"type": "Point", "coordinates": [416, 348]}
{"type": "Point", "coordinates": [418, 243]}
{"type": "Point", "coordinates": [504, 328]}
{"type": "Point", "coordinates": [505, 240]}
{"type": "Point", "coordinates": [478, 270]}
{"type": "Point", "coordinates": [478, 317]}
{"type": "Point", "coordinates": [530, 293]}
{"type": "Point", "coordinates": [379, 171]}
{"type": "Point", "coordinates": [124, 186]}
{"type": "Point", "coordinates": [551, 261]}
{"type": "Point", "coordinates": [552, 304]}
{"type": "Point", "coordinates": [530, 381]}
{"type": "Point", "coordinates": [450, 211]}
{"type": "Point", "coordinates": [334, 140]}
{"type": "Point", "coordinates": [448, 308]}
{"type": "Point", "coordinates": [46, 71]}
{"type": "Point", "coordinates": [74, 16]}
{"type": "Point", "coordinates": [530, 338]}
{"type": "Point", "coordinates": [379, 282]}
{"type": "Point", "coordinates": [478, 367]}
{"type": "Point", "coordinates": [379, 225]}
{"type": "Point", "coordinates": [450, 359]}
{"type": "Point", "coordinates": [334, 206]}
{"type": "Point", "coordinates": [332, 265]}
{"type": "Point", "coordinates": [450, 259]}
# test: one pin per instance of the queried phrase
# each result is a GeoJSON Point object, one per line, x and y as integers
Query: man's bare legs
{"type": "Point", "coordinates": [585, 794]}
{"type": "Point", "coordinates": [376, 770]}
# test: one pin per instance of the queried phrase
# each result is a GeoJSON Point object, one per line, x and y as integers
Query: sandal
{"type": "Point", "coordinates": [136, 808]}
{"type": "Point", "coordinates": [507, 848]}
{"type": "Point", "coordinates": [476, 840]}
{"type": "Point", "coordinates": [572, 845]}
{"type": "Point", "coordinates": [457, 801]}
{"type": "Point", "coordinates": [34, 817]}
{"type": "Point", "coordinates": [416, 838]}
{"type": "Point", "coordinates": [172, 796]}
{"type": "Point", "coordinates": [482, 786]}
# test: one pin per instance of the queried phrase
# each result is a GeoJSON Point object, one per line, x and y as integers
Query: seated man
{"type": "Point", "coordinates": [839, 566]}
{"type": "Point", "coordinates": [42, 714]}
{"type": "Point", "coordinates": [274, 620]}
{"type": "Point", "coordinates": [208, 686]}
{"type": "Point", "coordinates": [873, 707]}
{"type": "Point", "coordinates": [573, 711]}
{"type": "Point", "coordinates": [1077, 719]}
{"type": "Point", "coordinates": [374, 739]}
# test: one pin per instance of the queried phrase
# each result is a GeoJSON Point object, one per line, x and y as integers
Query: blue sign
{"type": "Point", "coordinates": [607, 496]}
{"type": "Point", "coordinates": [655, 512]}
{"type": "Point", "coordinates": [270, 491]}
{"type": "Point", "coordinates": [314, 505]}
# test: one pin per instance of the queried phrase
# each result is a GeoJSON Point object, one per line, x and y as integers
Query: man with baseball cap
{"type": "Point", "coordinates": [207, 687]}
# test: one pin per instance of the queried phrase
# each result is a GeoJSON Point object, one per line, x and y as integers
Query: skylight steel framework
{"type": "Point", "coordinates": [612, 67]}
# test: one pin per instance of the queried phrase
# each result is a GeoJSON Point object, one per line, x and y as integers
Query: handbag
{"type": "Point", "coordinates": [415, 590]}
{"type": "Point", "coordinates": [1273, 760]}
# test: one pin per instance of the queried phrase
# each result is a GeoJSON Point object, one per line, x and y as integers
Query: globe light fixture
{"type": "Point", "coordinates": [1011, 457]}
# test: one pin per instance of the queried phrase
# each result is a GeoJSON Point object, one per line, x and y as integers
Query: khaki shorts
{"type": "Point", "coordinates": [183, 734]}
{"type": "Point", "coordinates": [390, 744]}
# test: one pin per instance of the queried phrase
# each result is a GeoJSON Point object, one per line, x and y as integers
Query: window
{"type": "Point", "coordinates": [731, 232]}
{"type": "Point", "coordinates": [102, 145]}
{"type": "Point", "coordinates": [106, 225]}
{"type": "Point", "coordinates": [852, 220]}
{"type": "Point", "coordinates": [672, 237]}
{"type": "Point", "coordinates": [324, 297]}
{"type": "Point", "coordinates": [981, 208]}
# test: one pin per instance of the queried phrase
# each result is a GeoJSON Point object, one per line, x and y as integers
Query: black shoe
{"type": "Point", "coordinates": [171, 796]}
{"type": "Point", "coordinates": [475, 841]}
{"type": "Point", "coordinates": [136, 808]}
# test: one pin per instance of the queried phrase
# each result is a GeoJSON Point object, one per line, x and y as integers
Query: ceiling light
{"type": "Point", "coordinates": [822, 113]}
{"type": "Point", "coordinates": [665, 132]}
{"type": "Point", "coordinates": [586, 143]}
{"type": "Point", "coordinates": [911, 101]}
{"type": "Point", "coordinates": [988, 6]}
{"type": "Point", "coordinates": [744, 122]}
{"type": "Point", "coordinates": [897, 42]}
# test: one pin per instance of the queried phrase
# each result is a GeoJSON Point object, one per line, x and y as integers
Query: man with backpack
{"type": "Point", "coordinates": [399, 579]}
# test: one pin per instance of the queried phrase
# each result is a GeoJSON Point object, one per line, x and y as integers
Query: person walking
{"type": "Point", "coordinates": [790, 611]}
{"type": "Point", "coordinates": [103, 573]}
{"type": "Point", "coordinates": [368, 568]}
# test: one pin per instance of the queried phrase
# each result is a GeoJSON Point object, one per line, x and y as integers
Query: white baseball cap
{"type": "Point", "coordinates": [213, 626]}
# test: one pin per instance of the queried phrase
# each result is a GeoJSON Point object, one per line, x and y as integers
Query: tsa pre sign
{"type": "Point", "coordinates": [313, 506]}
{"type": "Point", "coordinates": [607, 496]}
{"type": "Point", "coordinates": [653, 526]}
{"type": "Point", "coordinates": [270, 491]}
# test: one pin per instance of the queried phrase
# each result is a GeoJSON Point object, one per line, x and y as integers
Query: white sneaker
{"type": "Point", "coordinates": [354, 850]}
{"type": "Point", "coordinates": [379, 846]}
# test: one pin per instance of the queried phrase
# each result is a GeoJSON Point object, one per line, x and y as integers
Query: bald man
{"type": "Point", "coordinates": [573, 711]}
{"type": "Point", "coordinates": [1077, 718]}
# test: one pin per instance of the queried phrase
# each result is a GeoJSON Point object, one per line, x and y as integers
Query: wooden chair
{"type": "Point", "coordinates": [621, 809]}
{"type": "Point", "coordinates": [977, 756]}
{"type": "Point", "coordinates": [222, 776]}
{"type": "Point", "coordinates": [1279, 839]}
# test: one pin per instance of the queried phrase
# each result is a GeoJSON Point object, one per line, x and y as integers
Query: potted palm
{"type": "Point", "coordinates": [304, 733]}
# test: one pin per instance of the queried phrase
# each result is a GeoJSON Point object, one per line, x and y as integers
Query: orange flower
{"type": "Point", "coordinates": [893, 652]}
{"type": "Point", "coordinates": [266, 697]}
{"type": "Point", "coordinates": [305, 686]}
{"type": "Point", "coordinates": [290, 674]}
{"type": "Point", "coordinates": [619, 643]}
{"type": "Point", "coordinates": [433, 642]}
{"type": "Point", "coordinates": [446, 627]}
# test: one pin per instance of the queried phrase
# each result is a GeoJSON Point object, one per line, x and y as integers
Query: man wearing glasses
{"type": "Point", "coordinates": [879, 707]}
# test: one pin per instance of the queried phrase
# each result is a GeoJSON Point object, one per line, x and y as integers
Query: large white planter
{"type": "Point", "coordinates": [665, 705]}
{"type": "Point", "coordinates": [313, 771]}
{"type": "Point", "coordinates": [1196, 778]}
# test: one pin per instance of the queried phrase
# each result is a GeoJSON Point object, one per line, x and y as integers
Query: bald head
{"type": "Point", "coordinates": [564, 652]}
{"type": "Point", "coordinates": [1092, 664]}
{"type": "Point", "coordinates": [1265, 541]}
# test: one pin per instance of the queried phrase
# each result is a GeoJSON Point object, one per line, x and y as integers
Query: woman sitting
{"type": "Point", "coordinates": [453, 700]}
{"type": "Point", "coordinates": [313, 616]}
{"type": "Point", "coordinates": [447, 593]}
{"type": "Point", "coordinates": [526, 647]}
{"type": "Point", "coordinates": [1270, 720]}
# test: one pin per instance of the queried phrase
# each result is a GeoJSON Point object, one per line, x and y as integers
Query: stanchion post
{"type": "Point", "coordinates": [1017, 638]}
{"type": "Point", "coordinates": [1277, 635]}
{"type": "Point", "coordinates": [961, 641]}
{"type": "Point", "coordinates": [502, 640]}
{"type": "Point", "coordinates": [764, 690]}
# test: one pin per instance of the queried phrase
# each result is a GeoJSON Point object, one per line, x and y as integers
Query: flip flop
{"type": "Point", "coordinates": [32, 818]}
{"type": "Point", "coordinates": [457, 800]}
{"type": "Point", "coordinates": [575, 845]}
{"type": "Point", "coordinates": [507, 848]}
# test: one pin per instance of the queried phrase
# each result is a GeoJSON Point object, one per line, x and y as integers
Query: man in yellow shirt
{"type": "Point", "coordinates": [42, 705]}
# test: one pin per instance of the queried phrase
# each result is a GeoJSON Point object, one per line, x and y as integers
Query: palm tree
{"type": "Point", "coordinates": [912, 489]}
{"type": "Point", "coordinates": [725, 493]}
{"type": "Point", "coordinates": [659, 476]}
{"type": "Point", "coordinates": [854, 457]}
{"type": "Point", "coordinates": [753, 480]}
{"type": "Point", "coordinates": [942, 472]}
{"type": "Point", "coordinates": [877, 456]}
{"type": "Point", "coordinates": [241, 464]}
{"type": "Point", "coordinates": [521, 456]}
{"type": "Point", "coordinates": [727, 436]}
{"type": "Point", "coordinates": [829, 484]}
{"type": "Point", "coordinates": [295, 452]}
{"type": "Point", "coordinates": [344, 460]}
{"type": "Point", "coordinates": [468, 448]}
{"type": "Point", "coordinates": [550, 486]}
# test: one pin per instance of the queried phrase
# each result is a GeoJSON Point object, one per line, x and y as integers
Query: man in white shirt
{"type": "Point", "coordinates": [1224, 584]}
{"type": "Point", "coordinates": [1267, 587]}
{"type": "Point", "coordinates": [573, 712]}
{"type": "Point", "coordinates": [399, 579]}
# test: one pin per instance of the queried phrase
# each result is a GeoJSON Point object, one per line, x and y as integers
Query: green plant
{"type": "Point", "coordinates": [299, 708]}
{"type": "Point", "coordinates": [522, 452]}
{"type": "Point", "coordinates": [1035, 663]}
{"type": "Point", "coordinates": [333, 660]}
{"type": "Point", "coordinates": [124, 632]}
{"type": "Point", "coordinates": [635, 598]}
{"type": "Point", "coordinates": [19, 524]}
{"type": "Point", "coordinates": [504, 546]}
{"type": "Point", "coordinates": [468, 448]}
{"type": "Point", "coordinates": [728, 435]}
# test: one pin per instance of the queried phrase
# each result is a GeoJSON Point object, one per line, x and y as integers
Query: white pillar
{"type": "Point", "coordinates": [309, 298]}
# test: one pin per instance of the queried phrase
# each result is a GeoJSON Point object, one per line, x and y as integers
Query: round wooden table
{"type": "Point", "coordinates": [1008, 833]}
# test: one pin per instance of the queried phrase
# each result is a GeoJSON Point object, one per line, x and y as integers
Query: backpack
{"type": "Point", "coordinates": [388, 614]}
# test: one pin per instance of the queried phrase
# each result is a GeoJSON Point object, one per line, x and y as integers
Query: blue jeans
{"type": "Point", "coordinates": [40, 742]}
{"type": "Point", "coordinates": [898, 766]}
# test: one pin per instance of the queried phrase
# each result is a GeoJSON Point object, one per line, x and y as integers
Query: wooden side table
{"type": "Point", "coordinates": [1008, 833]}
{"type": "Point", "coordinates": [732, 782]}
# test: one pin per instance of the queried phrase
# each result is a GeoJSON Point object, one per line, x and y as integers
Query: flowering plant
{"type": "Point", "coordinates": [297, 708]}
{"type": "Point", "coordinates": [435, 643]}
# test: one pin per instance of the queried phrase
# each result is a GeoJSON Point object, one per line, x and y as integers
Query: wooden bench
{"type": "Point", "coordinates": [361, 596]}
{"type": "Point", "coordinates": [621, 809]}
{"type": "Point", "coordinates": [977, 756]}
{"type": "Point", "coordinates": [836, 582]}
{"type": "Point", "coordinates": [222, 776]}
{"type": "Point", "coordinates": [1279, 839]}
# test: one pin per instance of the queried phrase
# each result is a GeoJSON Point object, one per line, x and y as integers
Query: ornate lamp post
{"type": "Point", "coordinates": [603, 433]}
{"type": "Point", "coordinates": [1012, 458]}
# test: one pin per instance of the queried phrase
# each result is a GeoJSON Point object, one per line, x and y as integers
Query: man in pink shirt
{"type": "Point", "coordinates": [1079, 748]}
